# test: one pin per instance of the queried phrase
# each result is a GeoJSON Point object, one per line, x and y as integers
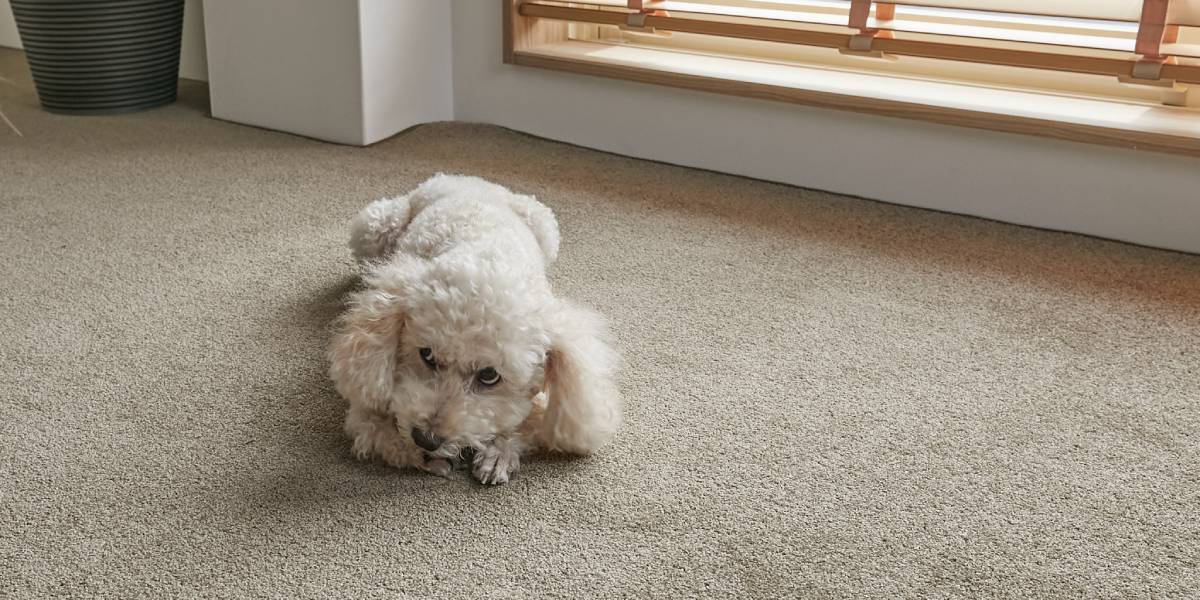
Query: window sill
{"type": "Point", "coordinates": [1126, 124]}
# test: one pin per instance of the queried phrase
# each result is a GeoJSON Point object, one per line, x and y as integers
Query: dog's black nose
{"type": "Point", "coordinates": [427, 441]}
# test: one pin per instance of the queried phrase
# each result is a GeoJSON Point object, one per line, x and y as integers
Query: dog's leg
{"type": "Point", "coordinates": [499, 459]}
{"type": "Point", "coordinates": [375, 434]}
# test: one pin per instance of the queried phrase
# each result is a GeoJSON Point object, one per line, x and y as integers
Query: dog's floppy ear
{"type": "Point", "coordinates": [375, 229]}
{"type": "Point", "coordinates": [584, 407]}
{"type": "Point", "coordinates": [540, 220]}
{"type": "Point", "coordinates": [362, 357]}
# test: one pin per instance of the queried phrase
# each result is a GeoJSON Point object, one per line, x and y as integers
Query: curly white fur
{"type": "Point", "coordinates": [457, 267]}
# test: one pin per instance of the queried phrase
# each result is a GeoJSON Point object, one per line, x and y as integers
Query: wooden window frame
{"type": "Point", "coordinates": [525, 36]}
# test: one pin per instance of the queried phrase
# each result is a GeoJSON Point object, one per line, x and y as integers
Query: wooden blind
{"type": "Point", "coordinates": [1136, 40]}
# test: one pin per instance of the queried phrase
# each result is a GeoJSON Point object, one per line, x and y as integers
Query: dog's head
{"type": "Point", "coordinates": [459, 353]}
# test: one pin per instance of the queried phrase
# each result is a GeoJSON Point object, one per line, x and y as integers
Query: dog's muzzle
{"type": "Point", "coordinates": [427, 441]}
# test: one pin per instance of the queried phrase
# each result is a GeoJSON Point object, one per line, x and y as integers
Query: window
{"type": "Point", "coordinates": [1107, 71]}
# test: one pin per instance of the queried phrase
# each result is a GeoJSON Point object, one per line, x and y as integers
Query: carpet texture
{"type": "Point", "coordinates": [826, 397]}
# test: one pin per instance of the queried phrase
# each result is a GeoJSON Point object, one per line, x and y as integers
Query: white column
{"type": "Point", "coordinates": [346, 71]}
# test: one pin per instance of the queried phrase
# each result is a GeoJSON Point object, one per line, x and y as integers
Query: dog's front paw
{"type": "Point", "coordinates": [496, 463]}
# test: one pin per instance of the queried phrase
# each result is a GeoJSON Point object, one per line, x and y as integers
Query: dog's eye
{"type": "Point", "coordinates": [427, 356]}
{"type": "Point", "coordinates": [487, 377]}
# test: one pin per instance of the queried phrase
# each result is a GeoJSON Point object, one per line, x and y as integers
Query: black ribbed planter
{"type": "Point", "coordinates": [101, 56]}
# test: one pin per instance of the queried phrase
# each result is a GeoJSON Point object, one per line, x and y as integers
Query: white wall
{"type": "Point", "coordinates": [289, 65]}
{"type": "Point", "coordinates": [9, 38]}
{"type": "Point", "coordinates": [192, 64]}
{"type": "Point", "coordinates": [1129, 195]}
{"type": "Point", "coordinates": [193, 59]}
{"type": "Point", "coordinates": [346, 71]}
{"type": "Point", "coordinates": [406, 65]}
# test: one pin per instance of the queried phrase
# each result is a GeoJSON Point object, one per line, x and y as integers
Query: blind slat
{"type": "Point", "coordinates": [1182, 12]}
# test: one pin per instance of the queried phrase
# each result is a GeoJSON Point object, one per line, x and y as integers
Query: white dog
{"type": "Point", "coordinates": [457, 342]}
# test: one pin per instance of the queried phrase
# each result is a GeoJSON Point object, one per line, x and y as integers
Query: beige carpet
{"type": "Point", "coordinates": [826, 396]}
